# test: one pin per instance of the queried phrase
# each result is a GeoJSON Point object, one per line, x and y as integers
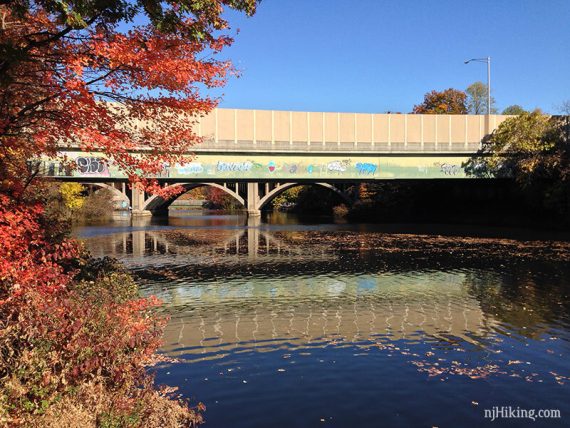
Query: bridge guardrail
{"type": "Point", "coordinates": [335, 147]}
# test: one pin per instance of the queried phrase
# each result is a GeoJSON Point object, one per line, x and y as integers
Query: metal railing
{"type": "Point", "coordinates": [210, 145]}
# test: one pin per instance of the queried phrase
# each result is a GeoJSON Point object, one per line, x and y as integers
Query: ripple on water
{"type": "Point", "coordinates": [329, 322]}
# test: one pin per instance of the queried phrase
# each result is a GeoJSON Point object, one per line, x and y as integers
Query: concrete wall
{"type": "Point", "coordinates": [313, 131]}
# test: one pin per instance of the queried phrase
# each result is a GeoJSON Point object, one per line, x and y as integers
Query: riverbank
{"type": "Point", "coordinates": [76, 338]}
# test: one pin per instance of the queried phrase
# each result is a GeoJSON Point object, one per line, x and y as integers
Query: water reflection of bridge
{"type": "Point", "coordinates": [234, 286]}
{"type": "Point", "coordinates": [210, 329]}
{"type": "Point", "coordinates": [213, 318]}
{"type": "Point", "coordinates": [250, 241]}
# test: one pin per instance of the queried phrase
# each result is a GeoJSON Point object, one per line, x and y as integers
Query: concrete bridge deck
{"type": "Point", "coordinates": [253, 155]}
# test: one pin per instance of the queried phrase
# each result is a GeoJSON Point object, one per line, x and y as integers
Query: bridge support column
{"type": "Point", "coordinates": [139, 243]}
{"type": "Point", "coordinates": [252, 237]}
{"type": "Point", "coordinates": [138, 202]}
{"type": "Point", "coordinates": [253, 200]}
{"type": "Point", "coordinates": [488, 125]}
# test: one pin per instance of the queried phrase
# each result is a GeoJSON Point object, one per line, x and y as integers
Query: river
{"type": "Point", "coordinates": [278, 322]}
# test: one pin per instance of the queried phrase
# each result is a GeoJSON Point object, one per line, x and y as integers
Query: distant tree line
{"type": "Point", "coordinates": [471, 101]}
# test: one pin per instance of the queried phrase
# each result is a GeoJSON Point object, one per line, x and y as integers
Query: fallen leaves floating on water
{"type": "Point", "coordinates": [559, 378]}
{"type": "Point", "coordinates": [434, 369]}
{"type": "Point", "coordinates": [464, 247]}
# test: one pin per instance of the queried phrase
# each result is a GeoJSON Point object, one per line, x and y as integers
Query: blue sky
{"type": "Point", "coordinates": [384, 55]}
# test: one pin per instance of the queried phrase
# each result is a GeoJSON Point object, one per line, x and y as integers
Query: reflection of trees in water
{"type": "Point", "coordinates": [530, 298]}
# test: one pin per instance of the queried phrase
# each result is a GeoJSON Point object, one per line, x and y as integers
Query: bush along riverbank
{"type": "Point", "coordinates": [74, 353]}
{"type": "Point", "coordinates": [73, 201]}
{"type": "Point", "coordinates": [76, 340]}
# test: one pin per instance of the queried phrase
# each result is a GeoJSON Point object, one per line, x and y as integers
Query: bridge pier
{"type": "Point", "coordinates": [138, 203]}
{"type": "Point", "coordinates": [253, 200]}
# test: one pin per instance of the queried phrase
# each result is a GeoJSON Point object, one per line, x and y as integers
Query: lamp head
{"type": "Point", "coordinates": [487, 59]}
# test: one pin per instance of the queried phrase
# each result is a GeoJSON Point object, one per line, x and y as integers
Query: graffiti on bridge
{"type": "Point", "coordinates": [190, 168]}
{"type": "Point", "coordinates": [234, 166]}
{"type": "Point", "coordinates": [92, 166]}
{"type": "Point", "coordinates": [449, 169]}
{"type": "Point", "coordinates": [366, 168]}
{"type": "Point", "coordinates": [216, 166]}
{"type": "Point", "coordinates": [339, 165]}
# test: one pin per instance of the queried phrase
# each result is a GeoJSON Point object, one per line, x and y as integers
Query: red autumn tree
{"type": "Point", "coordinates": [449, 101]}
{"type": "Point", "coordinates": [117, 76]}
{"type": "Point", "coordinates": [28, 258]}
{"type": "Point", "coordinates": [220, 199]}
{"type": "Point", "coordinates": [114, 76]}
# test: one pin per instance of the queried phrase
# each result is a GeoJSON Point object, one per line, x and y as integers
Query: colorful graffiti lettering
{"type": "Point", "coordinates": [366, 168]}
{"type": "Point", "coordinates": [190, 168]}
{"type": "Point", "coordinates": [89, 165]}
{"type": "Point", "coordinates": [448, 169]}
{"type": "Point", "coordinates": [234, 166]}
{"type": "Point", "coordinates": [53, 169]}
{"type": "Point", "coordinates": [273, 166]}
{"type": "Point", "coordinates": [338, 166]}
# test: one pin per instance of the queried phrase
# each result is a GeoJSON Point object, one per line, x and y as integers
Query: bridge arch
{"type": "Point", "coordinates": [118, 196]}
{"type": "Point", "coordinates": [280, 189]}
{"type": "Point", "coordinates": [155, 202]}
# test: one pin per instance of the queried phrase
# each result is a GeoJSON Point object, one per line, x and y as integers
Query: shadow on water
{"type": "Point", "coordinates": [275, 313]}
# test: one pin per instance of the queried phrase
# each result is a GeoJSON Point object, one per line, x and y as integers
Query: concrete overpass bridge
{"type": "Point", "coordinates": [254, 155]}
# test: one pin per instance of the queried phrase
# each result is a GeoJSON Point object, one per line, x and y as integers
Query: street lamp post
{"type": "Point", "coordinates": [488, 61]}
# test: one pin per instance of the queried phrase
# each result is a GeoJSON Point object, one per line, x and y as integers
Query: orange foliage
{"type": "Point", "coordinates": [73, 76]}
{"type": "Point", "coordinates": [27, 257]}
{"type": "Point", "coordinates": [80, 73]}
{"type": "Point", "coordinates": [449, 101]}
